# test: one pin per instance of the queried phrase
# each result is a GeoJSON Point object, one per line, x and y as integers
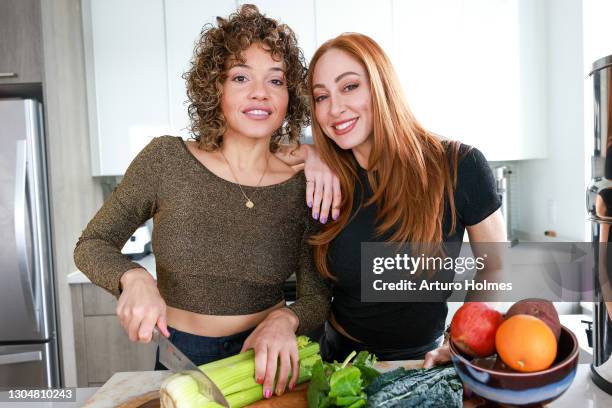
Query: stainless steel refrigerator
{"type": "Point", "coordinates": [28, 329]}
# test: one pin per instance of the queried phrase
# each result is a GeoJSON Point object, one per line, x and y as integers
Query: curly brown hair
{"type": "Point", "coordinates": [226, 41]}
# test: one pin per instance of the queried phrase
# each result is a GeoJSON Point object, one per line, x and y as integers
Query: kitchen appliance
{"type": "Point", "coordinates": [599, 207]}
{"type": "Point", "coordinates": [501, 182]}
{"type": "Point", "coordinates": [28, 329]}
{"type": "Point", "coordinates": [139, 244]}
{"type": "Point", "coordinates": [177, 362]}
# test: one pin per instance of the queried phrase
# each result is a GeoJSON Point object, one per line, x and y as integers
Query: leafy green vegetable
{"type": "Point", "coordinates": [347, 401]}
{"type": "Point", "coordinates": [432, 387]}
{"type": "Point", "coordinates": [365, 363]}
{"type": "Point", "coordinates": [387, 378]}
{"type": "Point", "coordinates": [340, 384]}
{"type": "Point", "coordinates": [345, 382]}
{"type": "Point", "coordinates": [318, 387]}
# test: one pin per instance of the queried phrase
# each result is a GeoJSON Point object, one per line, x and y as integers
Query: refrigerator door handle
{"type": "Point", "coordinates": [15, 358]}
{"type": "Point", "coordinates": [21, 222]}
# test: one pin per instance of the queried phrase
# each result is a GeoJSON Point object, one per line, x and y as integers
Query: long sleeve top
{"type": "Point", "coordinates": [213, 255]}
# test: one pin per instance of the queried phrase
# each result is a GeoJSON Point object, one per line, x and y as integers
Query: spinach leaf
{"type": "Point", "coordinates": [365, 363]}
{"type": "Point", "coordinates": [345, 382]}
{"type": "Point", "coordinates": [340, 384]}
{"type": "Point", "coordinates": [318, 387]}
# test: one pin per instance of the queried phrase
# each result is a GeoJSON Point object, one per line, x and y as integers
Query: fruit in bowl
{"type": "Point", "coordinates": [540, 308]}
{"type": "Point", "coordinates": [525, 343]}
{"type": "Point", "coordinates": [504, 386]}
{"type": "Point", "coordinates": [532, 364]}
{"type": "Point", "coordinates": [473, 329]}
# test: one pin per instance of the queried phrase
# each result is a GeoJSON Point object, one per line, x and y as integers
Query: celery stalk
{"type": "Point", "coordinates": [302, 342]}
{"type": "Point", "coordinates": [182, 391]}
{"type": "Point", "coordinates": [245, 397]}
{"type": "Point", "coordinates": [206, 368]}
{"type": "Point", "coordinates": [225, 376]}
{"type": "Point", "coordinates": [304, 375]}
{"type": "Point", "coordinates": [240, 386]}
{"type": "Point", "coordinates": [235, 377]}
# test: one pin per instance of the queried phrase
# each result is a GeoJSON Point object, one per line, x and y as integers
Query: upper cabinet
{"type": "Point", "coordinates": [363, 16]}
{"type": "Point", "coordinates": [475, 70]}
{"type": "Point", "coordinates": [472, 70]}
{"type": "Point", "coordinates": [184, 21]}
{"type": "Point", "coordinates": [127, 81]}
{"type": "Point", "coordinates": [20, 42]}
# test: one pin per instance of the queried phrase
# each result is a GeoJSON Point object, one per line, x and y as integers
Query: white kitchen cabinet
{"type": "Point", "coordinates": [184, 21]}
{"type": "Point", "coordinates": [363, 16]}
{"type": "Point", "coordinates": [127, 83]}
{"type": "Point", "coordinates": [475, 70]}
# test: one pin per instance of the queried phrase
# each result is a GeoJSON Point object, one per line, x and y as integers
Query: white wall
{"type": "Point", "coordinates": [551, 191]}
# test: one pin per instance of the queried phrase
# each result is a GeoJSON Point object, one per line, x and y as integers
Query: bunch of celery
{"type": "Point", "coordinates": [235, 377]}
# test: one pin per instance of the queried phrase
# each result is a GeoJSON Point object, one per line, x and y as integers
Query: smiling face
{"type": "Point", "coordinates": [343, 101]}
{"type": "Point", "coordinates": [255, 96]}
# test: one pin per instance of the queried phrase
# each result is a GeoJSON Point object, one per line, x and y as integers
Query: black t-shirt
{"type": "Point", "coordinates": [403, 325]}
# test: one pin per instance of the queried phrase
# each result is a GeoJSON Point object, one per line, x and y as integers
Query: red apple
{"type": "Point", "coordinates": [473, 329]}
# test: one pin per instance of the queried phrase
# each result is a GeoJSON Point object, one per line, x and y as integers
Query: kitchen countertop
{"type": "Point", "coordinates": [124, 386]}
{"type": "Point", "coordinates": [581, 393]}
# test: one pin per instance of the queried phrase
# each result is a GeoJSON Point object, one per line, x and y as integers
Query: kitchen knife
{"type": "Point", "coordinates": [177, 362]}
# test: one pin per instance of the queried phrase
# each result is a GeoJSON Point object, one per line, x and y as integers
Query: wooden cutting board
{"type": "Point", "coordinates": [294, 399]}
{"type": "Point", "coordinates": [121, 390]}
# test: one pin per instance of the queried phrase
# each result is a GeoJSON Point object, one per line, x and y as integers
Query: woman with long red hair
{"type": "Point", "coordinates": [400, 183]}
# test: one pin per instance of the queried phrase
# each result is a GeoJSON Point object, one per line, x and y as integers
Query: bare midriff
{"type": "Point", "coordinates": [215, 325]}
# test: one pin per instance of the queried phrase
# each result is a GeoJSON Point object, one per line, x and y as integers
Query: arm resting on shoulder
{"type": "Point", "coordinates": [323, 193]}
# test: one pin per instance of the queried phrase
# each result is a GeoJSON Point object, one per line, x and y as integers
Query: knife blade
{"type": "Point", "coordinates": [177, 362]}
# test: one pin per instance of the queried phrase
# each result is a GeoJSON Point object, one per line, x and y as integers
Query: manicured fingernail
{"type": "Point", "coordinates": [267, 393]}
{"type": "Point", "coordinates": [323, 220]}
{"type": "Point", "coordinates": [291, 387]}
{"type": "Point", "coordinates": [259, 380]}
{"type": "Point", "coordinates": [335, 216]}
{"type": "Point", "coordinates": [310, 204]}
{"type": "Point", "coordinates": [315, 216]}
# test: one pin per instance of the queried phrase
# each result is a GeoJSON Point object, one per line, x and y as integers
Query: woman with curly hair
{"type": "Point", "coordinates": [230, 224]}
{"type": "Point", "coordinates": [400, 183]}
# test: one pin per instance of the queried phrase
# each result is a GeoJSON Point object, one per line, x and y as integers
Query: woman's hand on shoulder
{"type": "Point", "coordinates": [275, 346]}
{"type": "Point", "coordinates": [140, 306]}
{"type": "Point", "coordinates": [438, 356]}
{"type": "Point", "coordinates": [323, 193]}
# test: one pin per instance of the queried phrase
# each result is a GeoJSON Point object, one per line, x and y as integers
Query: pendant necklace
{"type": "Point", "coordinates": [249, 203]}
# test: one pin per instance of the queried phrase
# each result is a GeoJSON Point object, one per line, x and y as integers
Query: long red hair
{"type": "Point", "coordinates": [411, 171]}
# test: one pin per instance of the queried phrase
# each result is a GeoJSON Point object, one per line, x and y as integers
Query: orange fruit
{"type": "Point", "coordinates": [525, 343]}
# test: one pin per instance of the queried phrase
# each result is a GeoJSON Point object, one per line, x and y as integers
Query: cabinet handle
{"type": "Point", "coordinates": [8, 75]}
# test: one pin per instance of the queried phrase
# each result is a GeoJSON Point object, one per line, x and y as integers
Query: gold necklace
{"type": "Point", "coordinates": [249, 203]}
